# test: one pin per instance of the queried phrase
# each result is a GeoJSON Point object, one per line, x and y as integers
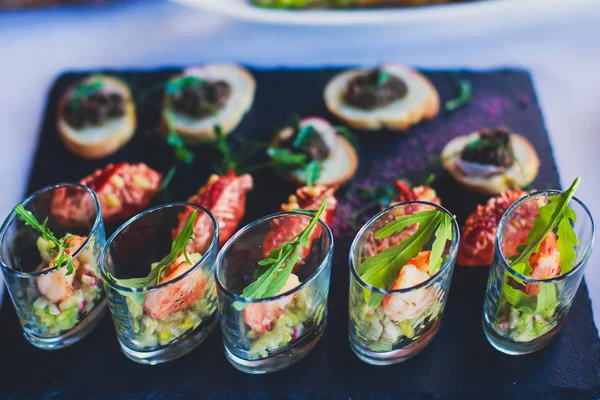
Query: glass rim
{"type": "Point", "coordinates": [13, 214]}
{"type": "Point", "coordinates": [105, 250]}
{"type": "Point", "coordinates": [245, 229]}
{"type": "Point", "coordinates": [445, 265]}
{"type": "Point", "coordinates": [558, 278]}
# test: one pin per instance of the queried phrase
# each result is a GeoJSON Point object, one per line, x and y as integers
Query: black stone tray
{"type": "Point", "coordinates": [459, 363]}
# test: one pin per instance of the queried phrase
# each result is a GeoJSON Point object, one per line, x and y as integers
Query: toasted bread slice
{"type": "Point", "coordinates": [342, 162]}
{"type": "Point", "coordinates": [243, 87]}
{"type": "Point", "coordinates": [520, 175]}
{"type": "Point", "coordinates": [94, 142]}
{"type": "Point", "coordinates": [421, 101]}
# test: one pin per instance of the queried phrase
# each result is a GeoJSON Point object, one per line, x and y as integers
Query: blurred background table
{"type": "Point", "coordinates": [562, 53]}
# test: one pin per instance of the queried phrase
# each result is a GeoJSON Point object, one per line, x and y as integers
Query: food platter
{"type": "Point", "coordinates": [515, 12]}
{"type": "Point", "coordinates": [504, 97]}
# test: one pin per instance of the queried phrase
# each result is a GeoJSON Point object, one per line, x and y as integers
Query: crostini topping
{"type": "Point", "coordinates": [93, 104]}
{"type": "Point", "coordinates": [373, 89]}
{"type": "Point", "coordinates": [197, 97]}
{"type": "Point", "coordinates": [306, 140]}
{"type": "Point", "coordinates": [493, 147]}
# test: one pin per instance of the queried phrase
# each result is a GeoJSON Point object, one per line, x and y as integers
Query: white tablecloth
{"type": "Point", "coordinates": [562, 54]}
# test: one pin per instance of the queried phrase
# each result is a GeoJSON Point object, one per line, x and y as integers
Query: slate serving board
{"type": "Point", "coordinates": [459, 363]}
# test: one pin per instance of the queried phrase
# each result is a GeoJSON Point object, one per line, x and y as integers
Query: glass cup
{"type": "Point", "coordinates": [266, 335]}
{"type": "Point", "coordinates": [159, 323]}
{"type": "Point", "coordinates": [55, 308]}
{"type": "Point", "coordinates": [405, 320]}
{"type": "Point", "coordinates": [522, 314]}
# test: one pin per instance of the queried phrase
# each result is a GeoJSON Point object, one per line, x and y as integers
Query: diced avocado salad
{"type": "Point", "coordinates": [380, 333]}
{"type": "Point", "coordinates": [81, 292]}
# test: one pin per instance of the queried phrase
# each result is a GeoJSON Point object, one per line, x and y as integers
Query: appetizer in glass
{"type": "Point", "coordinates": [542, 244]}
{"type": "Point", "coordinates": [401, 264]}
{"type": "Point", "coordinates": [159, 281]}
{"type": "Point", "coordinates": [50, 263]}
{"type": "Point", "coordinates": [273, 306]}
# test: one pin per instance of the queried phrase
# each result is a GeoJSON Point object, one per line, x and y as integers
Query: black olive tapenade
{"type": "Point", "coordinates": [491, 148]}
{"type": "Point", "coordinates": [201, 98]}
{"type": "Point", "coordinates": [93, 109]}
{"type": "Point", "coordinates": [312, 145]}
{"type": "Point", "coordinates": [374, 89]}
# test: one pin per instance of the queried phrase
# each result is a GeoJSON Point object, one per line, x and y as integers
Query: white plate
{"type": "Point", "coordinates": [512, 11]}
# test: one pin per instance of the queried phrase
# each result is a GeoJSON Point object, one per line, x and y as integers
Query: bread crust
{"type": "Point", "coordinates": [422, 102]}
{"type": "Point", "coordinates": [519, 175]}
{"type": "Point", "coordinates": [74, 140]}
{"type": "Point", "coordinates": [228, 121]}
{"type": "Point", "coordinates": [348, 173]}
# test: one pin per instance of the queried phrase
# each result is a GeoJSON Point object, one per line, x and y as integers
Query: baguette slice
{"type": "Point", "coordinates": [520, 175]}
{"type": "Point", "coordinates": [342, 162]}
{"type": "Point", "coordinates": [94, 142]}
{"type": "Point", "coordinates": [243, 87]}
{"type": "Point", "coordinates": [420, 103]}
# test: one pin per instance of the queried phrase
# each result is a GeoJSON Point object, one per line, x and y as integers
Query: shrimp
{"type": "Point", "coordinates": [401, 306]}
{"type": "Point", "coordinates": [545, 263]}
{"type": "Point", "coordinates": [260, 316]}
{"type": "Point", "coordinates": [178, 296]}
{"type": "Point", "coordinates": [57, 286]}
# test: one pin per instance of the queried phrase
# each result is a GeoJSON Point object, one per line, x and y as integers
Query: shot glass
{"type": "Point", "coordinates": [55, 308]}
{"type": "Point", "coordinates": [164, 321]}
{"type": "Point", "coordinates": [522, 314]}
{"type": "Point", "coordinates": [404, 321]}
{"type": "Point", "coordinates": [266, 335]}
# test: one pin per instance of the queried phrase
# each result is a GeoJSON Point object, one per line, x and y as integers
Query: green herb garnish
{"type": "Point", "coordinates": [465, 91]}
{"type": "Point", "coordinates": [381, 270]}
{"type": "Point", "coordinates": [556, 213]}
{"type": "Point", "coordinates": [158, 272]}
{"type": "Point", "coordinates": [382, 78]}
{"type": "Point", "coordinates": [228, 162]}
{"type": "Point", "coordinates": [274, 271]}
{"type": "Point", "coordinates": [180, 151]}
{"type": "Point", "coordinates": [60, 245]}
{"type": "Point", "coordinates": [177, 84]}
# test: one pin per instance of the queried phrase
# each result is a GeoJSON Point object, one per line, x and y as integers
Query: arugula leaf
{"type": "Point", "coordinates": [546, 299]}
{"type": "Point", "coordinates": [550, 215]}
{"type": "Point", "coordinates": [381, 270]}
{"type": "Point", "coordinates": [60, 244]}
{"type": "Point", "coordinates": [465, 91]}
{"type": "Point", "coordinates": [157, 272]}
{"type": "Point", "coordinates": [402, 222]}
{"type": "Point", "coordinates": [382, 78]}
{"type": "Point", "coordinates": [313, 172]}
{"type": "Point", "coordinates": [567, 240]}
{"type": "Point", "coordinates": [280, 263]}
{"type": "Point", "coordinates": [175, 85]}
{"type": "Point", "coordinates": [301, 135]}
{"type": "Point", "coordinates": [285, 159]}
{"type": "Point", "coordinates": [443, 234]}
{"type": "Point", "coordinates": [518, 299]}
